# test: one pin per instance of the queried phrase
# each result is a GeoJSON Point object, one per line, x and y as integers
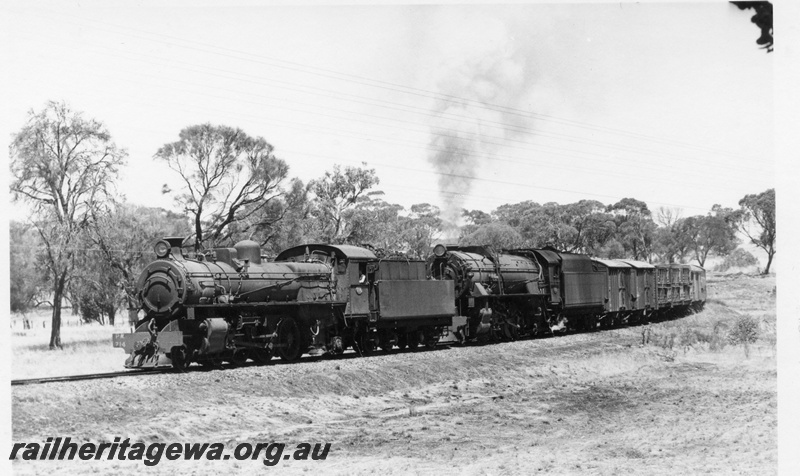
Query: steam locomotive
{"type": "Point", "coordinates": [227, 305]}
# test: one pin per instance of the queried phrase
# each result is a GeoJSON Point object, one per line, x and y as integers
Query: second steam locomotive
{"type": "Point", "coordinates": [229, 304]}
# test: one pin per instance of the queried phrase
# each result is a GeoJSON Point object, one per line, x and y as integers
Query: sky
{"type": "Point", "coordinates": [460, 106]}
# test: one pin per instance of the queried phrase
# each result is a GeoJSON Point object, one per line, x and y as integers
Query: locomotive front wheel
{"type": "Point", "coordinates": [289, 340]}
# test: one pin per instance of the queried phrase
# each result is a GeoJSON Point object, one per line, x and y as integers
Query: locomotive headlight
{"type": "Point", "coordinates": [439, 250]}
{"type": "Point", "coordinates": [161, 249]}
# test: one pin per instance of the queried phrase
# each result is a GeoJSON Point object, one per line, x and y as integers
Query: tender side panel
{"type": "Point", "coordinates": [584, 289]}
{"type": "Point", "coordinates": [396, 270]}
{"type": "Point", "coordinates": [409, 299]}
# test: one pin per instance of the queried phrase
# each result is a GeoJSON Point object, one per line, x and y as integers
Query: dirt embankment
{"type": "Point", "coordinates": [599, 403]}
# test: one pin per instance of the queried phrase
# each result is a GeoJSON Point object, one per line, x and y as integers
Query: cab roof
{"type": "Point", "coordinates": [348, 251]}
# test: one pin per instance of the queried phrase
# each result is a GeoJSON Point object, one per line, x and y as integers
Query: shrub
{"type": "Point", "coordinates": [96, 307]}
{"type": "Point", "coordinates": [744, 330]}
{"type": "Point", "coordinates": [89, 308]}
{"type": "Point", "coordinates": [739, 258]}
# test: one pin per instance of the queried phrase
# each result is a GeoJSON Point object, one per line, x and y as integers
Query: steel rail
{"type": "Point", "coordinates": [74, 378]}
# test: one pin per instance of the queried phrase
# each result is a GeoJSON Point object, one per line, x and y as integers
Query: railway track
{"type": "Point", "coordinates": [74, 378]}
{"type": "Point", "coordinates": [551, 345]}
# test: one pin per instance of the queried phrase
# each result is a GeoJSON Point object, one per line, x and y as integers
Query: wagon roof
{"type": "Point", "coordinates": [678, 265]}
{"type": "Point", "coordinates": [612, 263]}
{"type": "Point", "coordinates": [638, 264]}
{"type": "Point", "coordinates": [349, 251]}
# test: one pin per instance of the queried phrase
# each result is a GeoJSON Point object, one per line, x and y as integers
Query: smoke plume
{"type": "Point", "coordinates": [482, 104]}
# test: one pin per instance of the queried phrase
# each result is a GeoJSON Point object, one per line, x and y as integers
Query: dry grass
{"type": "Point", "coordinates": [86, 348]}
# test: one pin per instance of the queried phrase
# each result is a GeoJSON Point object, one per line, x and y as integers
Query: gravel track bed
{"type": "Point", "coordinates": [277, 370]}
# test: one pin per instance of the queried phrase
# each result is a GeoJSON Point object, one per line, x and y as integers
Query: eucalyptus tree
{"type": "Point", "coordinates": [498, 235]}
{"type": "Point", "coordinates": [336, 194]}
{"type": "Point", "coordinates": [711, 233]}
{"type": "Point", "coordinates": [421, 228]}
{"type": "Point", "coordinates": [756, 220]}
{"type": "Point", "coordinates": [228, 177]}
{"type": "Point", "coordinates": [64, 166]}
{"type": "Point", "coordinates": [635, 227]}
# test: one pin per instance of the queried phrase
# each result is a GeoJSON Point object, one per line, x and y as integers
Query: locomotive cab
{"type": "Point", "coordinates": [387, 301]}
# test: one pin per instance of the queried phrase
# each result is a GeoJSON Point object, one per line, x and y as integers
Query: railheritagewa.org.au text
{"type": "Point", "coordinates": [64, 449]}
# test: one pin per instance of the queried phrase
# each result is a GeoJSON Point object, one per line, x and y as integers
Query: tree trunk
{"type": "Point", "coordinates": [133, 311]}
{"type": "Point", "coordinates": [769, 262]}
{"type": "Point", "coordinates": [198, 229]}
{"type": "Point", "coordinates": [58, 293]}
